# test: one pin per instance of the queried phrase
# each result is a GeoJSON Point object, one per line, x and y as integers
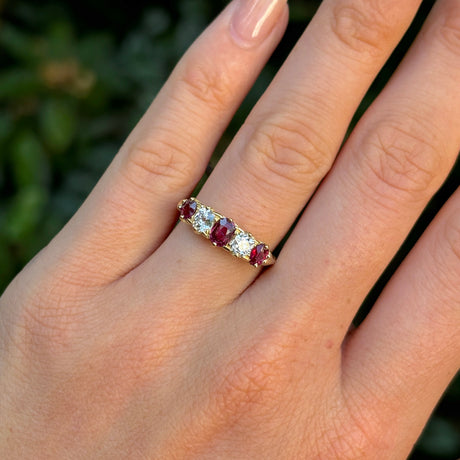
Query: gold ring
{"type": "Point", "coordinates": [224, 232]}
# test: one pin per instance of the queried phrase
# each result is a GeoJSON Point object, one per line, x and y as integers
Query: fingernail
{"type": "Point", "coordinates": [253, 20]}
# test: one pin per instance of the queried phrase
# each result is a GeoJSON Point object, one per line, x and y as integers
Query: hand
{"type": "Point", "coordinates": [127, 337]}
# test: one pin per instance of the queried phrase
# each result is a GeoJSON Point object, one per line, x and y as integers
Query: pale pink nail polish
{"type": "Point", "coordinates": [253, 20]}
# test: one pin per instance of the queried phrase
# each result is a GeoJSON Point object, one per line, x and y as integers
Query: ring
{"type": "Point", "coordinates": [224, 232]}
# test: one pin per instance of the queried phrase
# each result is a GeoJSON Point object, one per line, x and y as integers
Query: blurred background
{"type": "Point", "coordinates": [75, 77]}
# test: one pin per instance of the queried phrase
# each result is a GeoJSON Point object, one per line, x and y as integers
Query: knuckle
{"type": "Point", "coordinates": [345, 442]}
{"type": "Point", "coordinates": [252, 384]}
{"type": "Point", "coordinates": [241, 390]}
{"type": "Point", "coordinates": [446, 269]}
{"type": "Point", "coordinates": [207, 83]}
{"type": "Point", "coordinates": [452, 234]}
{"type": "Point", "coordinates": [356, 431]}
{"type": "Point", "coordinates": [449, 30]}
{"type": "Point", "coordinates": [350, 440]}
{"type": "Point", "coordinates": [49, 320]}
{"type": "Point", "coordinates": [289, 151]}
{"type": "Point", "coordinates": [362, 25]}
{"type": "Point", "coordinates": [157, 164]}
{"type": "Point", "coordinates": [402, 160]}
{"type": "Point", "coordinates": [39, 332]}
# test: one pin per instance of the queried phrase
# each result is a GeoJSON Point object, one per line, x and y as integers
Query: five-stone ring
{"type": "Point", "coordinates": [223, 232]}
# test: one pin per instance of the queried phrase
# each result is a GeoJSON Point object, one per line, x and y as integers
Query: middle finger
{"type": "Point", "coordinates": [290, 139]}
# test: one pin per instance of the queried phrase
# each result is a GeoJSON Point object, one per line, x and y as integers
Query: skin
{"type": "Point", "coordinates": [124, 338]}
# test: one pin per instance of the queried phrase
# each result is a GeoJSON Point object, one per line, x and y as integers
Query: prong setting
{"type": "Point", "coordinates": [224, 232]}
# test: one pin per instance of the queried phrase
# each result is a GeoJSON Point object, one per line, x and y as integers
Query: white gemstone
{"type": "Point", "coordinates": [203, 220]}
{"type": "Point", "coordinates": [241, 244]}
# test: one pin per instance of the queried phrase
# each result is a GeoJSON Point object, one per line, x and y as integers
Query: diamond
{"type": "Point", "coordinates": [259, 254]}
{"type": "Point", "coordinates": [242, 244]}
{"type": "Point", "coordinates": [203, 220]}
{"type": "Point", "coordinates": [187, 209]}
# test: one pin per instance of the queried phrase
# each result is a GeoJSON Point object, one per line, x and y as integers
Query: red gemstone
{"type": "Point", "coordinates": [222, 232]}
{"type": "Point", "coordinates": [259, 254]}
{"type": "Point", "coordinates": [188, 209]}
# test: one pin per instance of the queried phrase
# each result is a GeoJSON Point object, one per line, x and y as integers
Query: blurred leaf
{"type": "Point", "coordinates": [24, 213]}
{"type": "Point", "coordinates": [96, 49]}
{"type": "Point", "coordinates": [7, 265]}
{"type": "Point", "coordinates": [28, 159]}
{"type": "Point", "coordinates": [17, 83]}
{"type": "Point", "coordinates": [96, 52]}
{"type": "Point", "coordinates": [58, 124]}
{"type": "Point", "coordinates": [60, 40]}
{"type": "Point", "coordinates": [35, 14]}
{"type": "Point", "coordinates": [156, 21]}
{"type": "Point", "coordinates": [18, 44]}
{"type": "Point", "coordinates": [441, 438]}
{"type": "Point", "coordinates": [193, 19]}
{"type": "Point", "coordinates": [6, 127]}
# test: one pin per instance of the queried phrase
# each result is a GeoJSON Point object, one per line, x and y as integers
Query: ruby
{"type": "Point", "coordinates": [188, 209]}
{"type": "Point", "coordinates": [259, 254]}
{"type": "Point", "coordinates": [222, 232]}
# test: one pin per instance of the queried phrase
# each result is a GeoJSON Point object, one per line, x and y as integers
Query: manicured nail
{"type": "Point", "coordinates": [253, 20]}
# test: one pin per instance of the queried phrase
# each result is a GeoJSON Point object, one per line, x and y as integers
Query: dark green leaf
{"type": "Point", "coordinates": [17, 83]}
{"type": "Point", "coordinates": [24, 213]}
{"type": "Point", "coordinates": [29, 162]}
{"type": "Point", "coordinates": [19, 45]}
{"type": "Point", "coordinates": [58, 124]}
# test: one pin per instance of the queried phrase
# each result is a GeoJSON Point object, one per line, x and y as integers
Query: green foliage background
{"type": "Point", "coordinates": [75, 77]}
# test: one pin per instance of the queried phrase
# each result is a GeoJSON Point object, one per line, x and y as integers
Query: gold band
{"type": "Point", "coordinates": [224, 232]}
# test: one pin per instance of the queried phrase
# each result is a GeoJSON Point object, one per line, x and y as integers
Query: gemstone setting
{"type": "Point", "coordinates": [242, 244]}
{"type": "Point", "coordinates": [187, 209]}
{"type": "Point", "coordinates": [259, 254]}
{"type": "Point", "coordinates": [203, 220]}
{"type": "Point", "coordinates": [222, 232]}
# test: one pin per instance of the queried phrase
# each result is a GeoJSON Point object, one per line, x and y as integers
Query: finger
{"type": "Point", "coordinates": [408, 349]}
{"type": "Point", "coordinates": [394, 161]}
{"type": "Point", "coordinates": [291, 137]}
{"type": "Point", "coordinates": [133, 206]}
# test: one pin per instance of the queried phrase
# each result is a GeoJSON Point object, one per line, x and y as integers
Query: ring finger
{"type": "Point", "coordinates": [291, 137]}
